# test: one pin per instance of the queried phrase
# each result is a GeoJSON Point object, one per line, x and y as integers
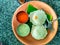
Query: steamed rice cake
{"type": "Point", "coordinates": [38, 32]}
{"type": "Point", "coordinates": [38, 17]}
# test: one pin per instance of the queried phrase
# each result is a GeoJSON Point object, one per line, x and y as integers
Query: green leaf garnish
{"type": "Point", "coordinates": [29, 23]}
{"type": "Point", "coordinates": [49, 17]}
{"type": "Point", "coordinates": [31, 8]}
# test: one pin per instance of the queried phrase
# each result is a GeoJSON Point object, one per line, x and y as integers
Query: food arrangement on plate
{"type": "Point", "coordinates": [32, 21]}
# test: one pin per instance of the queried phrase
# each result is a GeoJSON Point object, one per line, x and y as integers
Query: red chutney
{"type": "Point", "coordinates": [22, 17]}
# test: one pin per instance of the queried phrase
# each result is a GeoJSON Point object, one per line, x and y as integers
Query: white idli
{"type": "Point", "coordinates": [38, 32]}
{"type": "Point", "coordinates": [38, 17]}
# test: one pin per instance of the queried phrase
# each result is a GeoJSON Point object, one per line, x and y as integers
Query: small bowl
{"type": "Point", "coordinates": [29, 40]}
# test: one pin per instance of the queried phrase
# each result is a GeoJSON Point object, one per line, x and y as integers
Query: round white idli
{"type": "Point", "coordinates": [38, 32]}
{"type": "Point", "coordinates": [38, 17]}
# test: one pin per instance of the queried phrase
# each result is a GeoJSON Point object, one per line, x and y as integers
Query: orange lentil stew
{"type": "Point", "coordinates": [22, 17]}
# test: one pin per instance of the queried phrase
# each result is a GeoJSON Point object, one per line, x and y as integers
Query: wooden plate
{"type": "Point", "coordinates": [29, 40]}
